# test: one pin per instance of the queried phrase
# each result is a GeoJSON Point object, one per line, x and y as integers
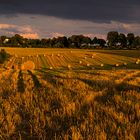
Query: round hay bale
{"type": "Point", "coordinates": [69, 66]}
{"type": "Point", "coordinates": [117, 65]}
{"type": "Point", "coordinates": [51, 68]}
{"type": "Point", "coordinates": [80, 62]}
{"type": "Point", "coordinates": [28, 65]}
{"type": "Point", "coordinates": [125, 63]}
{"type": "Point", "coordinates": [102, 65]}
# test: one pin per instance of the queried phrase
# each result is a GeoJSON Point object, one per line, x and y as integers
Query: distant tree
{"type": "Point", "coordinates": [122, 40]}
{"type": "Point", "coordinates": [136, 42]}
{"type": "Point", "coordinates": [112, 38]}
{"type": "Point", "coordinates": [130, 40]}
{"type": "Point", "coordinates": [62, 42]}
{"type": "Point", "coordinates": [79, 40]}
{"type": "Point", "coordinates": [45, 43]}
{"type": "Point", "coordinates": [101, 42]}
{"type": "Point", "coordinates": [53, 41]}
{"type": "Point", "coordinates": [35, 43]}
{"type": "Point", "coordinates": [16, 40]}
{"type": "Point", "coordinates": [19, 38]}
{"type": "Point", "coordinates": [114, 41]}
{"type": "Point", "coordinates": [2, 38]}
{"type": "Point", "coordinates": [75, 40]}
{"type": "Point", "coordinates": [95, 40]}
{"type": "Point", "coordinates": [85, 39]}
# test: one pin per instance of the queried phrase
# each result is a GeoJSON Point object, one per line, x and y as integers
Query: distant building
{"type": "Point", "coordinates": [6, 40]}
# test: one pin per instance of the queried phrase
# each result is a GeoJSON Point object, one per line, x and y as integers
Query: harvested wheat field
{"type": "Point", "coordinates": [63, 94]}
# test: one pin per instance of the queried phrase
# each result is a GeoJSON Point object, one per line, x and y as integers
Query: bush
{"type": "Point", "coordinates": [3, 56]}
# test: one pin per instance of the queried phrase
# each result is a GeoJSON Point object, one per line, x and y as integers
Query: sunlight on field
{"type": "Point", "coordinates": [76, 59]}
{"type": "Point", "coordinates": [28, 65]}
{"type": "Point", "coordinates": [63, 95]}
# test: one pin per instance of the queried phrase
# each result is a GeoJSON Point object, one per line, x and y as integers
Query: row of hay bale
{"type": "Point", "coordinates": [58, 54]}
{"type": "Point", "coordinates": [31, 65]}
{"type": "Point", "coordinates": [103, 65]}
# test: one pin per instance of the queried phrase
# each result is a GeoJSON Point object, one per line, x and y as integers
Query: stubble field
{"type": "Point", "coordinates": [70, 94]}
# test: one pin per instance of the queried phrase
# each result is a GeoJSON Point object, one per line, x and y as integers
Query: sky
{"type": "Point", "coordinates": [53, 18]}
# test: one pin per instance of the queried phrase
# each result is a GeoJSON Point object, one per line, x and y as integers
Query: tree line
{"type": "Point", "coordinates": [114, 40]}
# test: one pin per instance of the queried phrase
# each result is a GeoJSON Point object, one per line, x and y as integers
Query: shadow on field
{"type": "Point", "coordinates": [53, 71]}
{"type": "Point", "coordinates": [120, 100]}
{"type": "Point", "coordinates": [24, 128]}
{"type": "Point", "coordinates": [102, 84]}
{"type": "Point", "coordinates": [62, 124]}
{"type": "Point", "coordinates": [97, 85]}
{"type": "Point", "coordinates": [20, 83]}
{"type": "Point", "coordinates": [52, 79]}
{"type": "Point", "coordinates": [6, 87]}
{"type": "Point", "coordinates": [126, 87]}
{"type": "Point", "coordinates": [92, 72]}
{"type": "Point", "coordinates": [116, 89]}
{"type": "Point", "coordinates": [35, 80]}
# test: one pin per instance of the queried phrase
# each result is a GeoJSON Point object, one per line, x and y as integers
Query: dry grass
{"type": "Point", "coordinates": [28, 65]}
{"type": "Point", "coordinates": [70, 100]}
{"type": "Point", "coordinates": [70, 105]}
{"type": "Point", "coordinates": [78, 59]}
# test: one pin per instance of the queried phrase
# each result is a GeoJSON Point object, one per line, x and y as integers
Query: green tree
{"type": "Point", "coordinates": [2, 38]}
{"type": "Point", "coordinates": [95, 40]}
{"type": "Point", "coordinates": [78, 40]}
{"type": "Point", "coordinates": [130, 40]}
{"type": "Point", "coordinates": [122, 40]}
{"type": "Point", "coordinates": [16, 40]}
{"type": "Point", "coordinates": [112, 38]}
{"type": "Point", "coordinates": [62, 42]}
{"type": "Point", "coordinates": [136, 42]}
{"type": "Point", "coordinates": [101, 42]}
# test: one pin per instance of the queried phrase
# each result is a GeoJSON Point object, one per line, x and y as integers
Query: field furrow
{"type": "Point", "coordinates": [70, 94]}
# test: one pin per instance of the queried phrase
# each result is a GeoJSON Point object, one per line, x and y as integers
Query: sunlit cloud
{"type": "Point", "coordinates": [6, 26]}
{"type": "Point", "coordinates": [101, 36]}
{"type": "Point", "coordinates": [30, 35]}
{"type": "Point", "coordinates": [55, 34]}
{"type": "Point", "coordinates": [11, 29]}
{"type": "Point", "coordinates": [48, 27]}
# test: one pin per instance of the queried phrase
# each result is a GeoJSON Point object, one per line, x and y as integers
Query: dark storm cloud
{"type": "Point", "coordinates": [93, 10]}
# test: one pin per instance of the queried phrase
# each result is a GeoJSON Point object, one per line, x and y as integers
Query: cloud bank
{"type": "Point", "coordinates": [99, 11]}
{"type": "Point", "coordinates": [49, 18]}
{"type": "Point", "coordinates": [25, 31]}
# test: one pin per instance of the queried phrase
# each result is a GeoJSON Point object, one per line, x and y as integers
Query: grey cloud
{"type": "Point", "coordinates": [97, 11]}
